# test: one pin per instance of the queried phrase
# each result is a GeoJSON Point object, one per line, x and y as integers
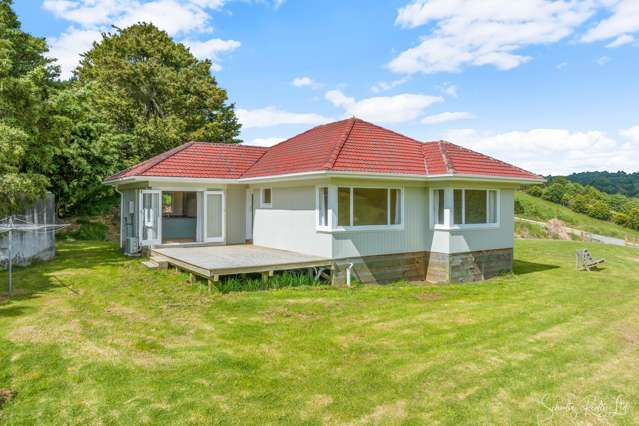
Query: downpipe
{"type": "Point", "coordinates": [348, 275]}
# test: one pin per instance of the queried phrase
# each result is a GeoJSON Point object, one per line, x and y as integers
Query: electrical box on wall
{"type": "Point", "coordinates": [131, 207]}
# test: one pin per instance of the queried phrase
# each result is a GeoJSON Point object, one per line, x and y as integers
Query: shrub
{"type": "Point", "coordinates": [620, 219]}
{"type": "Point", "coordinates": [599, 210]}
{"type": "Point", "coordinates": [88, 230]}
{"type": "Point", "coordinates": [535, 190]}
{"type": "Point", "coordinates": [283, 280]}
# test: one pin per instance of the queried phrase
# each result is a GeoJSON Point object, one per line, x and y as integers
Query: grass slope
{"type": "Point", "coordinates": [542, 210]}
{"type": "Point", "coordinates": [94, 338]}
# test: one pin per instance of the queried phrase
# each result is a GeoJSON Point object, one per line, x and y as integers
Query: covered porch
{"type": "Point", "coordinates": [212, 262]}
{"type": "Point", "coordinates": [159, 215]}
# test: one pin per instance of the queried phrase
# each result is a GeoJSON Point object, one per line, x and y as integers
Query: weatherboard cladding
{"type": "Point", "coordinates": [351, 145]}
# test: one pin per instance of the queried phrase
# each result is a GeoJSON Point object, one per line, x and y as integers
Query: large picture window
{"type": "Point", "coordinates": [474, 206]}
{"type": "Point", "coordinates": [362, 207]}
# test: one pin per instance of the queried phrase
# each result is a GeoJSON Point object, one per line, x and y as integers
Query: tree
{"type": "Point", "coordinates": [29, 133]}
{"type": "Point", "coordinates": [554, 192]}
{"type": "Point", "coordinates": [152, 93]}
{"type": "Point", "coordinates": [599, 210]}
{"type": "Point", "coordinates": [633, 218]}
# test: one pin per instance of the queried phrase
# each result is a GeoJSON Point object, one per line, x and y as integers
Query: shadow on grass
{"type": "Point", "coordinates": [40, 277]}
{"type": "Point", "coordinates": [521, 267]}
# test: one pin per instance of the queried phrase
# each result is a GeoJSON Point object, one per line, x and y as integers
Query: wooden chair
{"type": "Point", "coordinates": [585, 261]}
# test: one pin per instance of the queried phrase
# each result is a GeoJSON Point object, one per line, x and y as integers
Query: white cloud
{"type": "Point", "coordinates": [562, 66]}
{"type": "Point", "coordinates": [263, 141]}
{"type": "Point", "coordinates": [68, 46]}
{"type": "Point", "coordinates": [624, 20]}
{"type": "Point", "coordinates": [632, 134]}
{"type": "Point", "coordinates": [620, 41]}
{"type": "Point", "coordinates": [571, 151]}
{"type": "Point", "coordinates": [305, 81]}
{"type": "Point", "coordinates": [450, 90]}
{"type": "Point", "coordinates": [445, 117]}
{"type": "Point", "coordinates": [383, 109]}
{"type": "Point", "coordinates": [273, 116]}
{"type": "Point", "coordinates": [383, 86]}
{"type": "Point", "coordinates": [170, 15]}
{"type": "Point", "coordinates": [90, 17]}
{"type": "Point", "coordinates": [211, 49]}
{"type": "Point", "coordinates": [492, 32]}
{"type": "Point", "coordinates": [602, 60]}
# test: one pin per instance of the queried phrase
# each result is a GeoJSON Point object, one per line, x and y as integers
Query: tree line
{"type": "Point", "coordinates": [134, 94]}
{"type": "Point", "coordinates": [612, 183]}
{"type": "Point", "coordinates": [588, 200]}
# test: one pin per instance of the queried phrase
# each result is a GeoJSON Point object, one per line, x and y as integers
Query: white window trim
{"type": "Point", "coordinates": [329, 211]}
{"type": "Point", "coordinates": [262, 203]}
{"type": "Point", "coordinates": [449, 210]}
{"type": "Point", "coordinates": [333, 213]}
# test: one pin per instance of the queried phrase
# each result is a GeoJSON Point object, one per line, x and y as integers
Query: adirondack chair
{"type": "Point", "coordinates": [585, 261]}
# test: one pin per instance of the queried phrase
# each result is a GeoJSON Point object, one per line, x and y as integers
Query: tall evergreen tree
{"type": "Point", "coordinates": [28, 131]}
{"type": "Point", "coordinates": [153, 93]}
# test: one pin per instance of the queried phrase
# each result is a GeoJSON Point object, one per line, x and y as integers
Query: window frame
{"type": "Point", "coordinates": [449, 209]}
{"type": "Point", "coordinates": [333, 209]}
{"type": "Point", "coordinates": [318, 213]}
{"type": "Point", "coordinates": [262, 203]}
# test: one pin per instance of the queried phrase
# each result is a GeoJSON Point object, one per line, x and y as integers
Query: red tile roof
{"type": "Point", "coordinates": [198, 160]}
{"type": "Point", "coordinates": [351, 145]}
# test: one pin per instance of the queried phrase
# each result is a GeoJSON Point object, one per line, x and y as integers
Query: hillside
{"type": "Point", "coordinates": [534, 208]}
{"type": "Point", "coordinates": [612, 183]}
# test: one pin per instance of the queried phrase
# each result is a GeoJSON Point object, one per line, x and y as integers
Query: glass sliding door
{"type": "Point", "coordinates": [150, 217]}
{"type": "Point", "coordinates": [214, 216]}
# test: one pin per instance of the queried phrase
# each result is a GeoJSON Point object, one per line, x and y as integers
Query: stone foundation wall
{"type": "Point", "coordinates": [425, 266]}
{"type": "Point", "coordinates": [382, 269]}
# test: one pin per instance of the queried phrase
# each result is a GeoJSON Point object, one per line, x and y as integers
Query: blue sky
{"type": "Point", "coordinates": [548, 85]}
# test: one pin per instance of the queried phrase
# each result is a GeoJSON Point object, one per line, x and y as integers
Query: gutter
{"type": "Point", "coordinates": [329, 174]}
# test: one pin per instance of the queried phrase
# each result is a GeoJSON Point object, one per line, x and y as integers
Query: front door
{"type": "Point", "coordinates": [150, 217]}
{"type": "Point", "coordinates": [214, 216]}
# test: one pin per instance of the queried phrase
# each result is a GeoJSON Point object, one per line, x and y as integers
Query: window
{"type": "Point", "coordinates": [266, 197]}
{"type": "Point", "coordinates": [474, 207]}
{"type": "Point", "coordinates": [361, 207]}
{"type": "Point", "coordinates": [438, 206]}
{"type": "Point", "coordinates": [322, 203]}
{"type": "Point", "coordinates": [179, 204]}
{"type": "Point", "coordinates": [343, 206]}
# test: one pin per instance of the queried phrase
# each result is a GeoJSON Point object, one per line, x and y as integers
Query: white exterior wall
{"type": "Point", "coordinates": [290, 223]}
{"type": "Point", "coordinates": [235, 214]}
{"type": "Point", "coordinates": [414, 236]}
{"type": "Point", "coordinates": [486, 239]}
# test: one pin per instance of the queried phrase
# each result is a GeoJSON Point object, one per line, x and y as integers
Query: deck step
{"type": "Point", "coordinates": [151, 264]}
{"type": "Point", "coordinates": [161, 261]}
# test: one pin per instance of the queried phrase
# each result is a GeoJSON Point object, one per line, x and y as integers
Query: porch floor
{"type": "Point", "coordinates": [214, 261]}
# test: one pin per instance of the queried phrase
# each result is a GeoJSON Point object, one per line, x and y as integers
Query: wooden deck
{"type": "Point", "coordinates": [211, 262]}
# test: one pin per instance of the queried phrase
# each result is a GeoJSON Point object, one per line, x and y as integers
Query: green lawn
{"type": "Point", "coordinates": [537, 209]}
{"type": "Point", "coordinates": [94, 338]}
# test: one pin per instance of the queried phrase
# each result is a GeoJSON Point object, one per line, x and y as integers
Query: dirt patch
{"type": "Point", "coordinates": [557, 229]}
{"type": "Point", "coordinates": [277, 314]}
{"type": "Point", "coordinates": [384, 414]}
{"type": "Point", "coordinates": [6, 395]}
{"type": "Point", "coordinates": [428, 297]}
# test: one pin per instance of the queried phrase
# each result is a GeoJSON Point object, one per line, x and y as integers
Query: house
{"type": "Point", "coordinates": [388, 206]}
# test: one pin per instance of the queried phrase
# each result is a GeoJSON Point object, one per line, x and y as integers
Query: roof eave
{"type": "Point", "coordinates": [168, 179]}
{"type": "Point", "coordinates": [392, 176]}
